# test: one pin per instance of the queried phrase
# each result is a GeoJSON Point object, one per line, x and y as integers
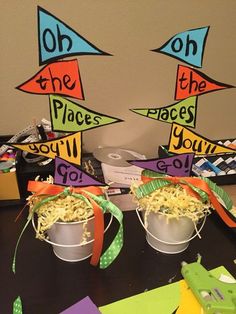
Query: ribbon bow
{"type": "Point", "coordinates": [201, 188]}
{"type": "Point", "coordinates": [100, 206]}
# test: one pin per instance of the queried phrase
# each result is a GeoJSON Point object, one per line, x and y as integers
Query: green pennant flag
{"type": "Point", "coordinates": [68, 116]}
{"type": "Point", "coordinates": [182, 112]}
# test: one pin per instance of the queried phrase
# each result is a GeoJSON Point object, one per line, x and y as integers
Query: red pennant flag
{"type": "Point", "coordinates": [191, 82]}
{"type": "Point", "coordinates": [61, 77]}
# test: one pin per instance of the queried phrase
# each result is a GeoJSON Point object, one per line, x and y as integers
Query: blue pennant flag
{"type": "Point", "coordinates": [187, 46]}
{"type": "Point", "coordinates": [58, 40]}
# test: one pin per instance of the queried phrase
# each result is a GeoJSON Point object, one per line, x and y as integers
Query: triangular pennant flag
{"type": "Point", "coordinates": [187, 46]}
{"type": "Point", "coordinates": [182, 140]}
{"type": "Point", "coordinates": [61, 77]}
{"type": "Point", "coordinates": [17, 306]}
{"type": "Point", "coordinates": [179, 165]}
{"type": "Point", "coordinates": [68, 116]}
{"type": "Point", "coordinates": [182, 112]}
{"type": "Point", "coordinates": [58, 40]}
{"type": "Point", "coordinates": [71, 175]}
{"type": "Point", "coordinates": [84, 306]}
{"type": "Point", "coordinates": [67, 147]}
{"type": "Point", "coordinates": [191, 82]}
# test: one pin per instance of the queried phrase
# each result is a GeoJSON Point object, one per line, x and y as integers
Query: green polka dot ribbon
{"type": "Point", "coordinates": [151, 186]}
{"type": "Point", "coordinates": [158, 182]}
{"type": "Point", "coordinates": [205, 188]}
{"type": "Point", "coordinates": [17, 306]}
{"type": "Point", "coordinates": [115, 247]}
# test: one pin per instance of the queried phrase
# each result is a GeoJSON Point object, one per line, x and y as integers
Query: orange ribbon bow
{"type": "Point", "coordinates": [202, 185]}
{"type": "Point", "coordinates": [43, 188]}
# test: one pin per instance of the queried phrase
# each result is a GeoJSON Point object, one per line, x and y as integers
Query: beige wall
{"type": "Point", "coordinates": [133, 77]}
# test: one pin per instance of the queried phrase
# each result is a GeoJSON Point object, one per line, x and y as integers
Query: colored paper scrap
{"type": "Point", "coordinates": [187, 46]}
{"type": "Point", "coordinates": [17, 306]}
{"type": "Point", "coordinates": [182, 112]}
{"type": "Point", "coordinates": [71, 175]}
{"type": "Point", "coordinates": [179, 165]}
{"type": "Point", "coordinates": [85, 306]}
{"type": "Point", "coordinates": [188, 300]}
{"type": "Point", "coordinates": [61, 77]}
{"type": "Point", "coordinates": [68, 116]}
{"type": "Point", "coordinates": [57, 40]}
{"type": "Point", "coordinates": [191, 82]}
{"type": "Point", "coordinates": [67, 147]}
{"type": "Point", "coordinates": [154, 301]}
{"type": "Point", "coordinates": [182, 140]}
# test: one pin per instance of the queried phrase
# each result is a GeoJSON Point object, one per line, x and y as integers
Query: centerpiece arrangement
{"type": "Point", "coordinates": [173, 207]}
{"type": "Point", "coordinates": [72, 220]}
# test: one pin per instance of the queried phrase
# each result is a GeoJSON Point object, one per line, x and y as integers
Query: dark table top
{"type": "Point", "coordinates": [48, 285]}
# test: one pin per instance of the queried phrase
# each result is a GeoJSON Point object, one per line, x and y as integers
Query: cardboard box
{"type": "Point", "coordinates": [9, 186]}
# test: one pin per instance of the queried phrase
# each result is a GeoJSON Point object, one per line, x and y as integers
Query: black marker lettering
{"type": "Point", "coordinates": [78, 116]}
{"type": "Point", "coordinates": [60, 168]}
{"type": "Point", "coordinates": [66, 80]}
{"type": "Point", "coordinates": [194, 46]}
{"type": "Point", "coordinates": [34, 148]}
{"type": "Point", "coordinates": [68, 148]}
{"type": "Point", "coordinates": [54, 147]}
{"type": "Point", "coordinates": [75, 151]}
{"type": "Point", "coordinates": [180, 138]}
{"type": "Point", "coordinates": [52, 40]}
{"type": "Point", "coordinates": [57, 104]}
{"type": "Point", "coordinates": [44, 149]}
{"type": "Point", "coordinates": [179, 46]}
{"type": "Point", "coordinates": [42, 81]}
{"type": "Point", "coordinates": [191, 115]}
{"type": "Point", "coordinates": [96, 120]}
{"type": "Point", "coordinates": [71, 116]}
{"type": "Point", "coordinates": [60, 38]}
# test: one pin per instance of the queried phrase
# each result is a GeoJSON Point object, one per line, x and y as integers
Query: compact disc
{"type": "Point", "coordinates": [113, 156]}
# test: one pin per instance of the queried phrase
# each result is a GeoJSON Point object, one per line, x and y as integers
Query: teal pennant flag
{"type": "Point", "coordinates": [187, 46]}
{"type": "Point", "coordinates": [58, 40]}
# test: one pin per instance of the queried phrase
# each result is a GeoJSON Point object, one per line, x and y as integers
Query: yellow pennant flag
{"type": "Point", "coordinates": [182, 140]}
{"type": "Point", "coordinates": [67, 148]}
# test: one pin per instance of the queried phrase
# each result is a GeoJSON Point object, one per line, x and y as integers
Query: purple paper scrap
{"type": "Point", "coordinates": [85, 306]}
{"type": "Point", "coordinates": [72, 175]}
{"type": "Point", "coordinates": [178, 165]}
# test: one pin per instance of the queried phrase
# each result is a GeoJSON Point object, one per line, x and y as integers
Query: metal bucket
{"type": "Point", "coordinates": [171, 235]}
{"type": "Point", "coordinates": [66, 239]}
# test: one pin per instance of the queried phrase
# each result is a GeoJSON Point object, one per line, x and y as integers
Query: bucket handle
{"type": "Point", "coordinates": [173, 243]}
{"type": "Point", "coordinates": [72, 245]}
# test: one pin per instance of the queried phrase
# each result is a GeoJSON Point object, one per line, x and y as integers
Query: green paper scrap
{"type": "Point", "coordinates": [163, 300]}
{"type": "Point", "coordinates": [17, 306]}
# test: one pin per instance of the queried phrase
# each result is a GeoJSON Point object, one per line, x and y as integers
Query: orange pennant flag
{"type": "Point", "coordinates": [61, 77]}
{"type": "Point", "coordinates": [191, 82]}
